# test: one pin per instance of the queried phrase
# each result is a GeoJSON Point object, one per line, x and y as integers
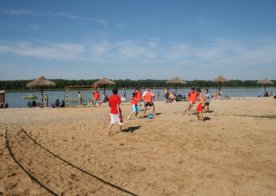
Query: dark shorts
{"type": "Point", "coordinates": [149, 104]}
{"type": "Point", "coordinates": [207, 104]}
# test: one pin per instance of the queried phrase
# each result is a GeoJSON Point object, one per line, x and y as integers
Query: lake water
{"type": "Point", "coordinates": [16, 99]}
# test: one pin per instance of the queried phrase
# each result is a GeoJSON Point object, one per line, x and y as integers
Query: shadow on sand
{"type": "Point", "coordinates": [206, 118]}
{"type": "Point", "coordinates": [131, 129]}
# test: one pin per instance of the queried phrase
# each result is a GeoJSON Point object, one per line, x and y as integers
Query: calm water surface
{"type": "Point", "coordinates": [16, 99]}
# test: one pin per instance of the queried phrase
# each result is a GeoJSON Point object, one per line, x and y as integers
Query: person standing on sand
{"type": "Point", "coordinates": [96, 97]}
{"type": "Point", "coordinates": [134, 105]}
{"type": "Point", "coordinates": [139, 96]}
{"type": "Point", "coordinates": [166, 94]}
{"type": "Point", "coordinates": [80, 97]}
{"type": "Point", "coordinates": [199, 109]}
{"type": "Point", "coordinates": [115, 110]}
{"type": "Point", "coordinates": [220, 93]}
{"type": "Point", "coordinates": [46, 100]}
{"type": "Point", "coordinates": [123, 98]}
{"type": "Point", "coordinates": [148, 101]}
{"type": "Point", "coordinates": [192, 96]}
{"type": "Point", "coordinates": [208, 100]}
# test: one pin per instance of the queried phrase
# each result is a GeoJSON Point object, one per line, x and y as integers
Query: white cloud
{"type": "Point", "coordinates": [227, 57]}
{"type": "Point", "coordinates": [58, 51]}
{"type": "Point", "coordinates": [54, 14]}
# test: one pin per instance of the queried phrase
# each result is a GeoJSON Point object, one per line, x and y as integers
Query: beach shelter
{"type": "Point", "coordinates": [265, 82]}
{"type": "Point", "coordinates": [220, 79]}
{"type": "Point", "coordinates": [2, 99]}
{"type": "Point", "coordinates": [175, 81]}
{"type": "Point", "coordinates": [40, 83]}
{"type": "Point", "coordinates": [104, 82]}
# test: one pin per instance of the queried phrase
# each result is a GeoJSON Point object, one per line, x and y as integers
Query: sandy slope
{"type": "Point", "coordinates": [67, 150]}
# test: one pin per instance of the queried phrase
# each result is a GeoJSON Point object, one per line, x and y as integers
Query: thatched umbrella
{"type": "Point", "coordinates": [104, 82]}
{"type": "Point", "coordinates": [265, 82]}
{"type": "Point", "coordinates": [220, 79]}
{"type": "Point", "coordinates": [39, 83]}
{"type": "Point", "coordinates": [176, 81]}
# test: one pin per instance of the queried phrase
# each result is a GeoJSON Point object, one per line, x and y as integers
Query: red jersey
{"type": "Point", "coordinates": [147, 96]}
{"type": "Point", "coordinates": [139, 95]}
{"type": "Point", "coordinates": [96, 95]}
{"type": "Point", "coordinates": [114, 101]}
{"type": "Point", "coordinates": [192, 96]}
{"type": "Point", "coordinates": [134, 100]}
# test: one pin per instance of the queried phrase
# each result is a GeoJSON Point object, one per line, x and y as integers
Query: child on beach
{"type": "Point", "coordinates": [115, 110]}
{"type": "Point", "coordinates": [139, 96]}
{"type": "Point", "coordinates": [208, 100]}
{"type": "Point", "coordinates": [200, 105]}
{"type": "Point", "coordinates": [192, 96]}
{"type": "Point", "coordinates": [134, 105]}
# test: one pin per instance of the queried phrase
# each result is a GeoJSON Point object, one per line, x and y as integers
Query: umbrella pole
{"type": "Point", "coordinates": [104, 94]}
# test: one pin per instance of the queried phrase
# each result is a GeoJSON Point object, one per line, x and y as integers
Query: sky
{"type": "Point", "coordinates": [138, 39]}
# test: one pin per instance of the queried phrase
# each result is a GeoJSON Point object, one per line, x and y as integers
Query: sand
{"type": "Point", "coordinates": [68, 151]}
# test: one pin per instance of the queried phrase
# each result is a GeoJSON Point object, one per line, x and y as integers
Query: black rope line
{"type": "Point", "coordinates": [21, 166]}
{"type": "Point", "coordinates": [80, 169]}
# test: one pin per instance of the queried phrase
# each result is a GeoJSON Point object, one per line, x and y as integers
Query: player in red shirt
{"type": "Point", "coordinates": [115, 110]}
{"type": "Point", "coordinates": [148, 101]}
{"type": "Point", "coordinates": [139, 96]}
{"type": "Point", "coordinates": [96, 96]}
{"type": "Point", "coordinates": [192, 97]}
{"type": "Point", "coordinates": [199, 109]}
{"type": "Point", "coordinates": [134, 105]}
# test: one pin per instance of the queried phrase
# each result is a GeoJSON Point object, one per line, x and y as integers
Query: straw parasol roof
{"type": "Point", "coordinates": [265, 82]}
{"type": "Point", "coordinates": [104, 82]}
{"type": "Point", "coordinates": [39, 83]}
{"type": "Point", "coordinates": [176, 81]}
{"type": "Point", "coordinates": [220, 78]}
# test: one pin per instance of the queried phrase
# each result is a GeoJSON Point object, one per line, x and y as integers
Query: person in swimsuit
{"type": "Point", "coordinates": [200, 106]}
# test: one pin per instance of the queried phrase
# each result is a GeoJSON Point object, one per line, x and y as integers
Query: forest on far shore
{"type": "Point", "coordinates": [61, 84]}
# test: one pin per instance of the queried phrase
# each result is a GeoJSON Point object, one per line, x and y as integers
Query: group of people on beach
{"type": "Point", "coordinates": [137, 98]}
{"type": "Point", "coordinates": [203, 101]}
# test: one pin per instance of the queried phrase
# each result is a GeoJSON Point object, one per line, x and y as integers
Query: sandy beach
{"type": "Point", "coordinates": [55, 151]}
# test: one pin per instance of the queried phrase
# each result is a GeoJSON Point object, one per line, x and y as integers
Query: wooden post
{"type": "Point", "coordinates": [67, 97]}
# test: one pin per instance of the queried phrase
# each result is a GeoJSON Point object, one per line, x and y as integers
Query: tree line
{"type": "Point", "coordinates": [127, 83]}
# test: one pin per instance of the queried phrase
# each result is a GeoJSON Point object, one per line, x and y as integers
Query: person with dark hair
{"type": "Point", "coordinates": [115, 110]}
{"type": "Point", "coordinates": [96, 97]}
{"type": "Point", "coordinates": [34, 103]}
{"type": "Point", "coordinates": [139, 96]}
{"type": "Point", "coordinates": [57, 103]}
{"type": "Point", "coordinates": [192, 96]}
{"type": "Point", "coordinates": [208, 100]}
{"type": "Point", "coordinates": [134, 105]}
{"type": "Point", "coordinates": [62, 105]}
{"type": "Point", "coordinates": [199, 109]}
{"type": "Point", "coordinates": [80, 97]}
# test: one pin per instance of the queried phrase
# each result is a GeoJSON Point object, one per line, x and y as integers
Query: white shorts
{"type": "Point", "coordinates": [115, 119]}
